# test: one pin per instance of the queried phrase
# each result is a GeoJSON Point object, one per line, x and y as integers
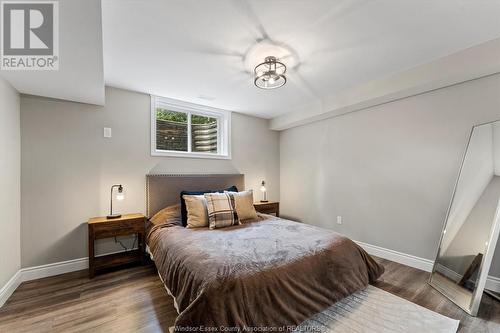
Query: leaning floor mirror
{"type": "Point", "coordinates": [472, 225]}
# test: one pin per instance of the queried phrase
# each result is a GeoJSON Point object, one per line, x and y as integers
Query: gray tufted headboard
{"type": "Point", "coordinates": [164, 190]}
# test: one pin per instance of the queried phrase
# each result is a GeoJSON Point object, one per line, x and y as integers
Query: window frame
{"type": "Point", "coordinates": [223, 128]}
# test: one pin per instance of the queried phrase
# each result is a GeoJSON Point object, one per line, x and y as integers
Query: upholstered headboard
{"type": "Point", "coordinates": [164, 190]}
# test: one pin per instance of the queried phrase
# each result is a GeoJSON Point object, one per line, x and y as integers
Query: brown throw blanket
{"type": "Point", "coordinates": [271, 274]}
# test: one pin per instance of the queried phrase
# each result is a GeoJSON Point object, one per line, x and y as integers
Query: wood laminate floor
{"type": "Point", "coordinates": [133, 300]}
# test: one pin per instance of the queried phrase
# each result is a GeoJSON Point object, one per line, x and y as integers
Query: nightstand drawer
{"type": "Point", "coordinates": [118, 228]}
{"type": "Point", "coordinates": [268, 207]}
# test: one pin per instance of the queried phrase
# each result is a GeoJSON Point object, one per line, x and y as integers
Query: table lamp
{"type": "Point", "coordinates": [119, 196]}
{"type": "Point", "coordinates": [264, 192]}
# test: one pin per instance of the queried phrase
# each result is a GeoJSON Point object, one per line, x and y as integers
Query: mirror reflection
{"type": "Point", "coordinates": [470, 233]}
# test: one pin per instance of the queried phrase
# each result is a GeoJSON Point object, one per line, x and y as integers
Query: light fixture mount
{"type": "Point", "coordinates": [270, 74]}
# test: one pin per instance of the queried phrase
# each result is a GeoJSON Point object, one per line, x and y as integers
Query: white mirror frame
{"type": "Point", "coordinates": [484, 268]}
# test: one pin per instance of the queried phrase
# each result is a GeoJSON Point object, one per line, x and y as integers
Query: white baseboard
{"type": "Point", "coordinates": [399, 257]}
{"type": "Point", "coordinates": [492, 283]}
{"type": "Point", "coordinates": [9, 288]}
{"type": "Point", "coordinates": [39, 272]}
{"type": "Point", "coordinates": [449, 273]}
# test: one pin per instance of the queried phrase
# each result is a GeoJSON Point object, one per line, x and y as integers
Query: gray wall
{"type": "Point", "coordinates": [388, 170]}
{"type": "Point", "coordinates": [68, 167]}
{"type": "Point", "coordinates": [10, 182]}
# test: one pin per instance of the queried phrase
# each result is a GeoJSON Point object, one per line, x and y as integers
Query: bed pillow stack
{"type": "Point", "coordinates": [219, 210]}
{"type": "Point", "coordinates": [183, 202]}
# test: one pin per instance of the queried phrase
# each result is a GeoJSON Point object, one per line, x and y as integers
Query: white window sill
{"type": "Point", "coordinates": [189, 155]}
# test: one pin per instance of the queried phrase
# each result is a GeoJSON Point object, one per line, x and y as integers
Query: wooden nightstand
{"type": "Point", "coordinates": [101, 227]}
{"type": "Point", "coordinates": [270, 207]}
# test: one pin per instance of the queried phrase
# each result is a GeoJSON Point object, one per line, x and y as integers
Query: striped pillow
{"type": "Point", "coordinates": [221, 211]}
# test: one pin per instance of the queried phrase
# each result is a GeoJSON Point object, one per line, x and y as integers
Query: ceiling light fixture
{"type": "Point", "coordinates": [270, 74]}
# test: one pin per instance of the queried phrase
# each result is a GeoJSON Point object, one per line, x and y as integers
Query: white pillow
{"type": "Point", "coordinates": [243, 202]}
{"type": "Point", "coordinates": [197, 215]}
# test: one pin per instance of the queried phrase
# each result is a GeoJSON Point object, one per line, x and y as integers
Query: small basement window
{"type": "Point", "coordinates": [188, 130]}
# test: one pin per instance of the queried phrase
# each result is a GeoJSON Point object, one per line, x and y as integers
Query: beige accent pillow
{"type": "Point", "coordinates": [243, 202]}
{"type": "Point", "coordinates": [197, 215]}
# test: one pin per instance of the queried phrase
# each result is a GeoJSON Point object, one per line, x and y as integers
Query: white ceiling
{"type": "Point", "coordinates": [204, 51]}
{"type": "Point", "coordinates": [80, 76]}
{"type": "Point", "coordinates": [195, 50]}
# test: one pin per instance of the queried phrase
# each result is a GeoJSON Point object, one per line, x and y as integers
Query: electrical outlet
{"type": "Point", "coordinates": [107, 132]}
{"type": "Point", "coordinates": [339, 219]}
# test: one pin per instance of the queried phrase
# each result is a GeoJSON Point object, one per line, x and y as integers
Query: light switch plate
{"type": "Point", "coordinates": [107, 132]}
{"type": "Point", "coordinates": [339, 219]}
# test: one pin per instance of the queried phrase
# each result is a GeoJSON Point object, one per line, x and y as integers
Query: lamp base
{"type": "Point", "coordinates": [114, 216]}
{"type": "Point", "coordinates": [264, 201]}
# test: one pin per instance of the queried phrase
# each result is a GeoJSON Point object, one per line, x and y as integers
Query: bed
{"type": "Point", "coordinates": [266, 274]}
